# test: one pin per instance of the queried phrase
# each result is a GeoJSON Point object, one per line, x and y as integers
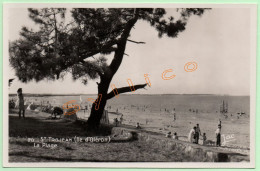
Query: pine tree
{"type": "Point", "coordinates": [57, 48]}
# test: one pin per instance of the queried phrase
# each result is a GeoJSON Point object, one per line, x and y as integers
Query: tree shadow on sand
{"type": "Point", "coordinates": [43, 127]}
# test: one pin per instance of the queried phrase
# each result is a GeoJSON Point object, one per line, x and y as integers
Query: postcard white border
{"type": "Point", "coordinates": [253, 25]}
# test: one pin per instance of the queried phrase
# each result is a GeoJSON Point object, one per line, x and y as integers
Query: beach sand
{"type": "Point", "coordinates": [155, 113]}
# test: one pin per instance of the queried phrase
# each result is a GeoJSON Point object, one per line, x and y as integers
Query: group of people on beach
{"type": "Point", "coordinates": [195, 133]}
{"type": "Point", "coordinates": [193, 137]}
{"type": "Point", "coordinates": [120, 121]}
{"type": "Point", "coordinates": [174, 136]}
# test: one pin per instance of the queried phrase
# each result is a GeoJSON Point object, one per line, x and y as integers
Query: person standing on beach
{"type": "Point", "coordinates": [116, 122]}
{"type": "Point", "coordinates": [121, 119]}
{"type": "Point", "coordinates": [219, 122]}
{"type": "Point", "coordinates": [20, 102]}
{"type": "Point", "coordinates": [198, 133]}
{"type": "Point", "coordinates": [204, 138]}
{"type": "Point", "coordinates": [218, 135]}
{"type": "Point", "coordinates": [174, 114]}
{"type": "Point", "coordinates": [191, 134]}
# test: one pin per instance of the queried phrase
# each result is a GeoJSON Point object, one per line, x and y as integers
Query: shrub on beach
{"type": "Point", "coordinates": [11, 104]}
{"type": "Point", "coordinates": [32, 107]}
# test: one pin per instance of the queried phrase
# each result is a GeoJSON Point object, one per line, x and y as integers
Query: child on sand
{"type": "Point", "coordinates": [20, 102]}
{"type": "Point", "coordinates": [168, 135]}
{"type": "Point", "coordinates": [175, 136]}
{"type": "Point", "coordinates": [138, 125]}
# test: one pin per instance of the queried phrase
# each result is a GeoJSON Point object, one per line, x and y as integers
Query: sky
{"type": "Point", "coordinates": [218, 41]}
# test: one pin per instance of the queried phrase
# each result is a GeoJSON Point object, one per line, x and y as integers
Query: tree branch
{"type": "Point", "coordinates": [125, 90]}
{"type": "Point", "coordinates": [98, 70]}
{"type": "Point", "coordinates": [107, 46]}
{"type": "Point", "coordinates": [135, 41]}
{"type": "Point", "coordinates": [119, 53]}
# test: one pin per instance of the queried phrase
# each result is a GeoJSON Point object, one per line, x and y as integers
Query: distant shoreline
{"type": "Point", "coordinates": [42, 95]}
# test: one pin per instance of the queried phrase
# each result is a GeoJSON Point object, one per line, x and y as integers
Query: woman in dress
{"type": "Point", "coordinates": [20, 102]}
{"type": "Point", "coordinates": [191, 135]}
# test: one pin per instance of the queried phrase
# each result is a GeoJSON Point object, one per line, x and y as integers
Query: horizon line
{"type": "Point", "coordinates": [78, 94]}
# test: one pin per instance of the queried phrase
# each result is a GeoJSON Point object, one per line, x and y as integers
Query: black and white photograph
{"type": "Point", "coordinates": [129, 85]}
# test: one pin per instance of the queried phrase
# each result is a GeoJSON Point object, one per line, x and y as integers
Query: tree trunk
{"type": "Point", "coordinates": [95, 115]}
{"type": "Point", "coordinates": [98, 107]}
{"type": "Point", "coordinates": [100, 103]}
